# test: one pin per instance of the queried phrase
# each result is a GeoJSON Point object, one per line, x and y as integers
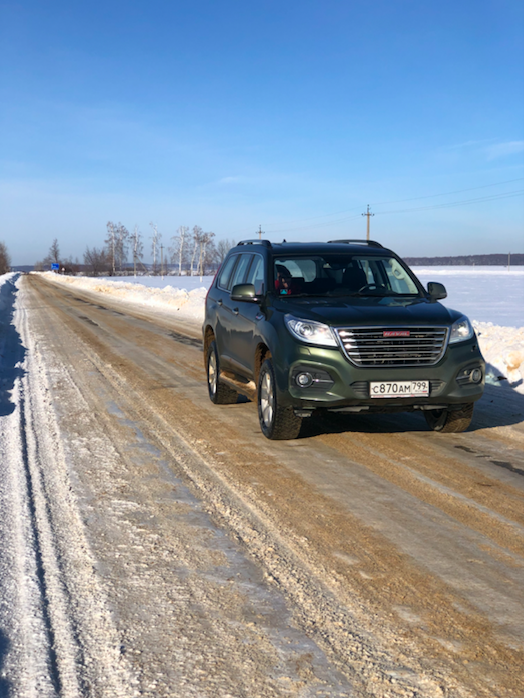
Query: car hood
{"type": "Point", "coordinates": [370, 310]}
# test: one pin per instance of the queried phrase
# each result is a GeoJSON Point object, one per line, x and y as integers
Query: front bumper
{"type": "Point", "coordinates": [349, 384]}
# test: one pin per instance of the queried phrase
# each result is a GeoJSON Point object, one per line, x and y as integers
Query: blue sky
{"type": "Point", "coordinates": [292, 115]}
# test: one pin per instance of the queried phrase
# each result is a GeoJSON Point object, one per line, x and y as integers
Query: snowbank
{"type": "Point", "coordinates": [5, 291]}
{"type": "Point", "coordinates": [503, 350]}
{"type": "Point", "coordinates": [502, 347]}
{"type": "Point", "coordinates": [188, 304]}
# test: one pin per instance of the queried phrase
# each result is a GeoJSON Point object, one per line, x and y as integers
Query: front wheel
{"type": "Point", "coordinates": [219, 393]}
{"type": "Point", "coordinates": [449, 422]}
{"type": "Point", "coordinates": [276, 421]}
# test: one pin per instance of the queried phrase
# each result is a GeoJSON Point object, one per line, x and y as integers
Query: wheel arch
{"type": "Point", "coordinates": [209, 336]}
{"type": "Point", "coordinates": [262, 353]}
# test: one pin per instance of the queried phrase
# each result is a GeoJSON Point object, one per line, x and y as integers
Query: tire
{"type": "Point", "coordinates": [219, 393]}
{"type": "Point", "coordinates": [449, 422]}
{"type": "Point", "coordinates": [276, 422]}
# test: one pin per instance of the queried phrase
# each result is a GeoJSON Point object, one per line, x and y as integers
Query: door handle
{"type": "Point", "coordinates": [235, 311]}
{"type": "Point", "coordinates": [219, 301]}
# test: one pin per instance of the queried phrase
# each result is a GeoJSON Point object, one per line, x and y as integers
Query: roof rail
{"type": "Point", "coordinates": [371, 243]}
{"type": "Point", "coordinates": [266, 243]}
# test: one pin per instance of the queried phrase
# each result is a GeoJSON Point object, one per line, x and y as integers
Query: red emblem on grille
{"type": "Point", "coordinates": [395, 333]}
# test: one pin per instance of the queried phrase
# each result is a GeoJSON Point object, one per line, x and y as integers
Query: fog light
{"type": "Point", "coordinates": [304, 380]}
{"type": "Point", "coordinates": [469, 375]}
{"type": "Point", "coordinates": [476, 375]}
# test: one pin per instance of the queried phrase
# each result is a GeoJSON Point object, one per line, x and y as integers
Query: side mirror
{"type": "Point", "coordinates": [244, 292]}
{"type": "Point", "coordinates": [436, 291]}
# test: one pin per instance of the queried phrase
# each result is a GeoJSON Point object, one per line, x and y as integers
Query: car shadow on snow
{"type": "Point", "coordinates": [12, 352]}
{"type": "Point", "coordinates": [5, 685]}
{"type": "Point", "coordinates": [500, 406]}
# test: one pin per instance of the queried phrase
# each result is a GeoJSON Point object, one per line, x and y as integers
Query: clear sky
{"type": "Point", "coordinates": [292, 115]}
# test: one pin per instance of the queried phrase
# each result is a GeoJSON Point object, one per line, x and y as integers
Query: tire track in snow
{"type": "Point", "coordinates": [28, 662]}
{"type": "Point", "coordinates": [59, 637]}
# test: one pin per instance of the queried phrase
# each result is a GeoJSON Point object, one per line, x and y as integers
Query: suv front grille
{"type": "Point", "coordinates": [393, 346]}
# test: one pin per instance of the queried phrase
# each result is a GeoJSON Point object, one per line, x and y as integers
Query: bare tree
{"type": "Point", "coordinates": [68, 266]}
{"type": "Point", "coordinates": [138, 247]}
{"type": "Point", "coordinates": [197, 234]}
{"type": "Point", "coordinates": [54, 252]}
{"type": "Point", "coordinates": [178, 249]}
{"type": "Point", "coordinates": [155, 245]}
{"type": "Point", "coordinates": [222, 248]}
{"type": "Point", "coordinates": [110, 242]}
{"type": "Point", "coordinates": [52, 257]}
{"type": "Point", "coordinates": [5, 259]}
{"type": "Point", "coordinates": [96, 260]}
{"type": "Point", "coordinates": [205, 245]}
{"type": "Point", "coordinates": [121, 236]}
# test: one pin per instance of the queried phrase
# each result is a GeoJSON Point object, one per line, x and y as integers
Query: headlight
{"type": "Point", "coordinates": [461, 330]}
{"type": "Point", "coordinates": [310, 331]}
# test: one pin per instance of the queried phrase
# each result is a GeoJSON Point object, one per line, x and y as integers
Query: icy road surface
{"type": "Point", "coordinates": [154, 544]}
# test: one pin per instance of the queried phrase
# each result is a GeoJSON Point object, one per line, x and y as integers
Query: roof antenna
{"type": "Point", "coordinates": [284, 241]}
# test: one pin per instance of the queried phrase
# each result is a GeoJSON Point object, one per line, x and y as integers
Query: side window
{"type": "Point", "coordinates": [256, 275]}
{"type": "Point", "coordinates": [240, 271]}
{"type": "Point", "coordinates": [225, 274]}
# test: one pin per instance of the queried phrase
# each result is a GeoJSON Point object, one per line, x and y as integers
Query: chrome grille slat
{"type": "Point", "coordinates": [367, 346]}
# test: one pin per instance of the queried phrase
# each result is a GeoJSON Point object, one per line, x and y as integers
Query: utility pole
{"type": "Point", "coordinates": [368, 214]}
{"type": "Point", "coordinates": [162, 260]}
{"type": "Point", "coordinates": [260, 232]}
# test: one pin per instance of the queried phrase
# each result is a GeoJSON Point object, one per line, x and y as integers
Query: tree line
{"type": "Point", "coordinates": [5, 259]}
{"type": "Point", "coordinates": [467, 260]}
{"type": "Point", "coordinates": [191, 252]}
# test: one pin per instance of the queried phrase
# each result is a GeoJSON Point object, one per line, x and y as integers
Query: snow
{"type": "Point", "coordinates": [180, 294]}
{"type": "Point", "coordinates": [484, 294]}
{"type": "Point", "coordinates": [503, 350]}
{"type": "Point", "coordinates": [492, 297]}
{"type": "Point", "coordinates": [51, 604]}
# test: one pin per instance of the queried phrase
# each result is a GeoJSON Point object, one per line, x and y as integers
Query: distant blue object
{"type": "Point", "coordinates": [55, 266]}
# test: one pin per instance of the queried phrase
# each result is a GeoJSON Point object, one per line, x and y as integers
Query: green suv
{"type": "Point", "coordinates": [342, 326]}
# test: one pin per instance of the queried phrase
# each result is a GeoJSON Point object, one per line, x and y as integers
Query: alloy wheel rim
{"type": "Point", "coordinates": [267, 400]}
{"type": "Point", "coordinates": [212, 374]}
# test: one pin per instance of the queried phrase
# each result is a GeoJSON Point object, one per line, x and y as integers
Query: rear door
{"type": "Point", "coordinates": [229, 313]}
{"type": "Point", "coordinates": [245, 336]}
{"type": "Point", "coordinates": [220, 295]}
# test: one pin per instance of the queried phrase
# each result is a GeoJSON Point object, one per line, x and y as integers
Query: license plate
{"type": "Point", "coordinates": [399, 389]}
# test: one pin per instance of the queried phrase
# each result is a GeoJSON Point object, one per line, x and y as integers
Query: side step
{"type": "Point", "coordinates": [241, 385]}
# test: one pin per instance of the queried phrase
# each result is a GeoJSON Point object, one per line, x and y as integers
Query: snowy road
{"type": "Point", "coordinates": [155, 544]}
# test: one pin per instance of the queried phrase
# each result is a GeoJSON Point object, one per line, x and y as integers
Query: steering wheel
{"type": "Point", "coordinates": [370, 286]}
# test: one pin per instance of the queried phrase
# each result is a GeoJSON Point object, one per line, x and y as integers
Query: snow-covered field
{"type": "Point", "coordinates": [484, 294]}
{"type": "Point", "coordinates": [491, 296]}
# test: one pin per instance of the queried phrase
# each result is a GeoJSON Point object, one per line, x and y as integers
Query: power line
{"type": "Point", "coordinates": [448, 193]}
{"type": "Point", "coordinates": [399, 201]}
{"type": "Point", "coordinates": [315, 225]}
{"type": "Point", "coordinates": [451, 204]}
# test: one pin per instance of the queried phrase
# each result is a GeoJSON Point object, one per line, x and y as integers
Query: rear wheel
{"type": "Point", "coordinates": [276, 421]}
{"type": "Point", "coordinates": [219, 393]}
{"type": "Point", "coordinates": [449, 422]}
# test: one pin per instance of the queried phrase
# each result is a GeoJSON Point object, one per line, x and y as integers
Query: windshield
{"type": "Point", "coordinates": [342, 275]}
